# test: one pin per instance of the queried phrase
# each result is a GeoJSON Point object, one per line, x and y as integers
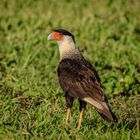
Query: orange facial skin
{"type": "Point", "coordinates": [57, 36]}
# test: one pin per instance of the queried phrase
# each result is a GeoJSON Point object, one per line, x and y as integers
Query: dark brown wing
{"type": "Point", "coordinates": [76, 77]}
{"type": "Point", "coordinates": [81, 81]}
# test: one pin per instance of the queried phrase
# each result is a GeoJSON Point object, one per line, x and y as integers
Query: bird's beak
{"type": "Point", "coordinates": [50, 37]}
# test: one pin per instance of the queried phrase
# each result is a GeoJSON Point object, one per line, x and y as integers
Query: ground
{"type": "Point", "coordinates": [32, 104]}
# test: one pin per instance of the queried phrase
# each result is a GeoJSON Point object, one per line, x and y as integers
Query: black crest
{"type": "Point", "coordinates": [64, 32]}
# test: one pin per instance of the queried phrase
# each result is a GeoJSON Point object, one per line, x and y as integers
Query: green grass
{"type": "Point", "coordinates": [32, 105]}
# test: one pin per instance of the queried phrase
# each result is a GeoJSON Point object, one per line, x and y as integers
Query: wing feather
{"type": "Point", "coordinates": [80, 80]}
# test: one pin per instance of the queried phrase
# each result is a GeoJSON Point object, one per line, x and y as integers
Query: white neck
{"type": "Point", "coordinates": [67, 48]}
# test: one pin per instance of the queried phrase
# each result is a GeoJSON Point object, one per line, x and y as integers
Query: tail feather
{"type": "Point", "coordinates": [113, 117]}
{"type": "Point", "coordinates": [103, 109]}
{"type": "Point", "coordinates": [107, 114]}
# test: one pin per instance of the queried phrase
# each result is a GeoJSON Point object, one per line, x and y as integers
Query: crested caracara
{"type": "Point", "coordinates": [78, 78]}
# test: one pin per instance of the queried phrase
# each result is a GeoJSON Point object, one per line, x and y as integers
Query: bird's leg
{"type": "Point", "coordinates": [67, 116]}
{"type": "Point", "coordinates": [81, 108]}
{"type": "Point", "coordinates": [80, 118]}
{"type": "Point", "coordinates": [69, 103]}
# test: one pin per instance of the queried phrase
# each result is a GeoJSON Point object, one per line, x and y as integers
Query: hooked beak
{"type": "Point", "coordinates": [50, 36]}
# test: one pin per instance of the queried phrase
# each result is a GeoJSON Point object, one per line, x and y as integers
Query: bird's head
{"type": "Point", "coordinates": [65, 41]}
{"type": "Point", "coordinates": [61, 36]}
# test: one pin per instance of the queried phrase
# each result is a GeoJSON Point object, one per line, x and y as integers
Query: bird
{"type": "Point", "coordinates": [79, 79]}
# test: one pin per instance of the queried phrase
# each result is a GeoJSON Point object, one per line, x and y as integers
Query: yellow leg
{"type": "Point", "coordinates": [80, 118]}
{"type": "Point", "coordinates": [67, 116]}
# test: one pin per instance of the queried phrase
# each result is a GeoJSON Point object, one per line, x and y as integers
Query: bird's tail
{"type": "Point", "coordinates": [103, 109]}
{"type": "Point", "coordinates": [107, 114]}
